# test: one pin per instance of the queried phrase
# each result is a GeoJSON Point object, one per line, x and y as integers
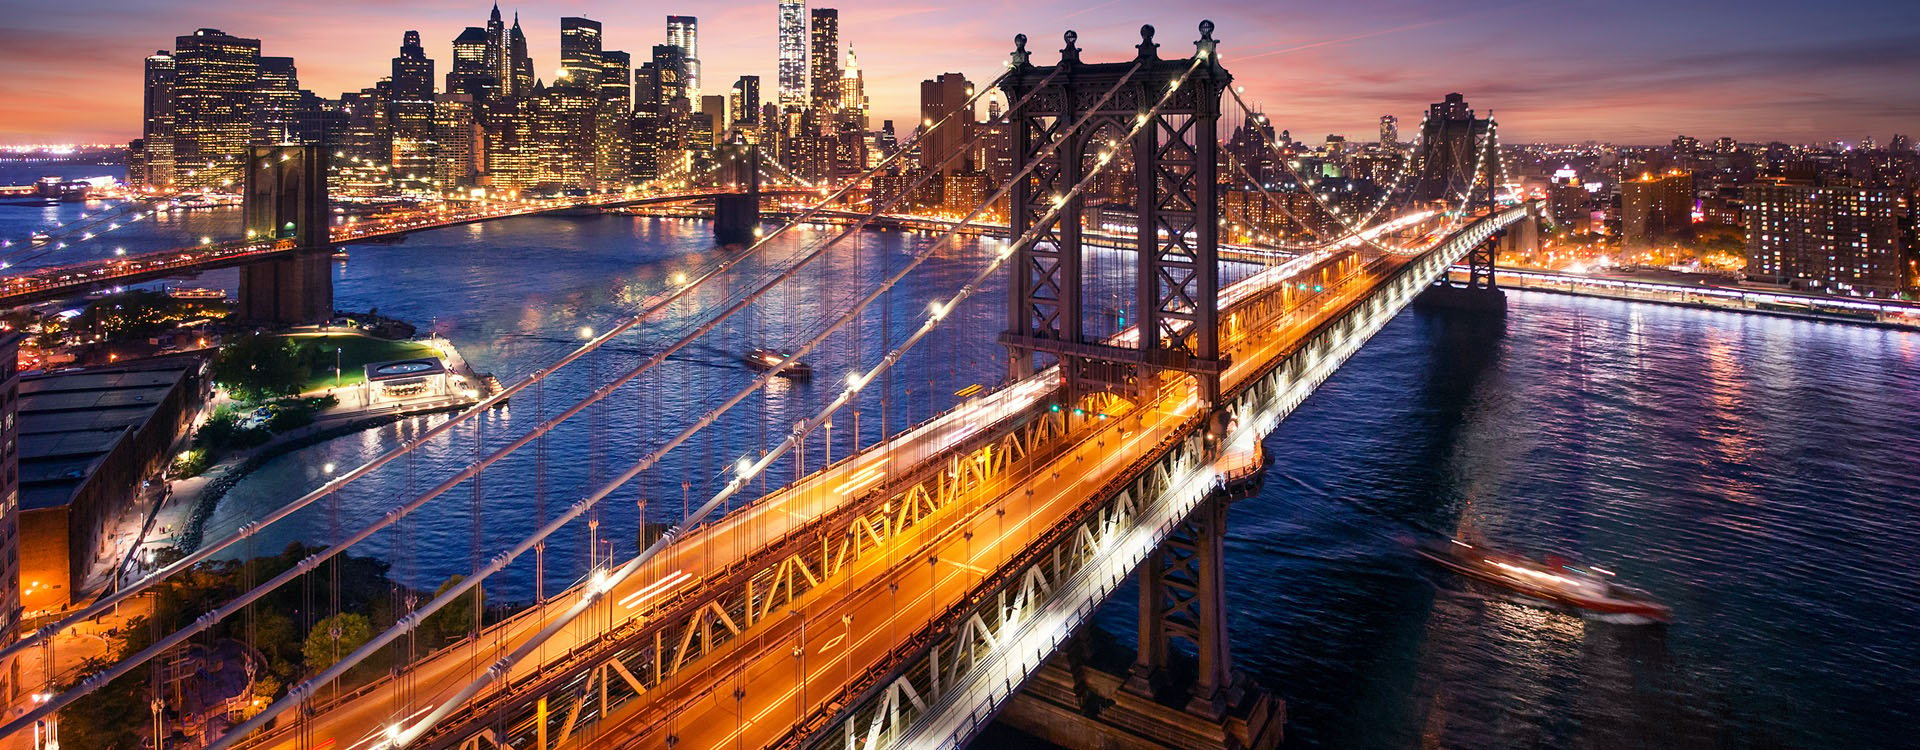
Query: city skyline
{"type": "Point", "coordinates": [1702, 70]}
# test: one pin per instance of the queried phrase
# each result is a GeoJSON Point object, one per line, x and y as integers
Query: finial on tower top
{"type": "Point", "coordinates": [1071, 53]}
{"type": "Point", "coordinates": [1148, 50]}
{"type": "Point", "coordinates": [1020, 55]}
{"type": "Point", "coordinates": [1204, 47]}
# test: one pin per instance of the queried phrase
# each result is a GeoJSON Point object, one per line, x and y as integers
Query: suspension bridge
{"type": "Point", "coordinates": [903, 593]}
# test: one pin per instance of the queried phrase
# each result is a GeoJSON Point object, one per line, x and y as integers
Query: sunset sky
{"type": "Point", "coordinates": [1627, 71]}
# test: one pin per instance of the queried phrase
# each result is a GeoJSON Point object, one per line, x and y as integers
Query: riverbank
{"type": "Point", "coordinates": [181, 519]}
{"type": "Point", "coordinates": [1700, 296]}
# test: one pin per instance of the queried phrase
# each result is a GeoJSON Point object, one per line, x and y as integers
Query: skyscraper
{"type": "Point", "coordinates": [276, 102]}
{"type": "Point", "coordinates": [671, 71]}
{"type": "Point", "coordinates": [499, 54]}
{"type": "Point", "coordinates": [412, 70]}
{"type": "Point", "coordinates": [940, 97]}
{"type": "Point", "coordinates": [156, 131]}
{"type": "Point", "coordinates": [214, 80]}
{"type": "Point", "coordinates": [519, 61]}
{"type": "Point", "coordinates": [684, 32]}
{"type": "Point", "coordinates": [1389, 130]}
{"type": "Point", "coordinates": [793, 54]}
{"type": "Point", "coordinates": [613, 159]}
{"type": "Point", "coordinates": [853, 92]}
{"type": "Point", "coordinates": [823, 60]}
{"type": "Point", "coordinates": [456, 141]}
{"type": "Point", "coordinates": [579, 53]}
{"type": "Point", "coordinates": [410, 113]}
{"type": "Point", "coordinates": [469, 74]}
{"type": "Point", "coordinates": [715, 108]}
{"type": "Point", "coordinates": [746, 100]}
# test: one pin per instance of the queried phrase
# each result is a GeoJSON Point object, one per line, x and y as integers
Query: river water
{"type": "Point", "coordinates": [1756, 474]}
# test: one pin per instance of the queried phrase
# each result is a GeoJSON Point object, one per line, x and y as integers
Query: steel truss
{"type": "Point", "coordinates": [1176, 199]}
{"type": "Point", "coordinates": [959, 674]}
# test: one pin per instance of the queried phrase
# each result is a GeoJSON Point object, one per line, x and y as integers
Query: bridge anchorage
{"type": "Point", "coordinates": [286, 202]}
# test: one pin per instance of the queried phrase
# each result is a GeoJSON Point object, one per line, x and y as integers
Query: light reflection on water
{"type": "Point", "coordinates": [1754, 473]}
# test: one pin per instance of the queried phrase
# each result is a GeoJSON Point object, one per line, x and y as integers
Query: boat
{"type": "Point", "coordinates": [1555, 581]}
{"type": "Point", "coordinates": [340, 254]}
{"type": "Point", "coordinates": [183, 292]}
{"type": "Point", "coordinates": [763, 359]}
{"type": "Point", "coordinates": [41, 238]}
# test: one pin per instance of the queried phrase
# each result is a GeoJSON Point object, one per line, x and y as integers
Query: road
{"type": "Point", "coordinates": [754, 690]}
{"type": "Point", "coordinates": [784, 671]}
{"type": "Point", "coordinates": [358, 720]}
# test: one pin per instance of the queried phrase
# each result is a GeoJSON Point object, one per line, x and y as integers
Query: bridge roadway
{"type": "Point", "coordinates": [755, 691]}
{"type": "Point", "coordinates": [357, 720]}
{"type": "Point", "coordinates": [780, 690]}
{"type": "Point", "coordinates": [59, 282]}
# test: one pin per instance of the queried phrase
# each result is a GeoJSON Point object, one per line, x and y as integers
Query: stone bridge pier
{"type": "Point", "coordinates": [285, 201]}
{"type": "Point", "coordinates": [736, 216]}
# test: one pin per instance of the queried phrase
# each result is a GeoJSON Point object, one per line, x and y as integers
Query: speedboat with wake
{"type": "Point", "coordinates": [1588, 588]}
{"type": "Point", "coordinates": [763, 359]}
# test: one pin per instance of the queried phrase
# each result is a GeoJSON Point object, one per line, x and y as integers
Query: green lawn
{"type": "Point", "coordinates": [356, 351]}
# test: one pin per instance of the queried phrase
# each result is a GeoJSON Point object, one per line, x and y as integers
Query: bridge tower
{"type": "Point", "coordinates": [737, 215]}
{"type": "Point", "coordinates": [1176, 202]}
{"type": "Point", "coordinates": [1479, 178]}
{"type": "Point", "coordinates": [285, 201]}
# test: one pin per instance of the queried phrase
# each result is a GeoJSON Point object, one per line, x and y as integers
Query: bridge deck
{"type": "Point", "coordinates": [753, 690]}
{"type": "Point", "coordinates": [57, 282]}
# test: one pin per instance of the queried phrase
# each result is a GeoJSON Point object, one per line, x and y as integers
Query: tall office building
{"type": "Point", "coordinates": [853, 92]}
{"type": "Point", "coordinates": [670, 71]}
{"type": "Point", "coordinates": [1839, 238]}
{"type": "Point", "coordinates": [715, 108]}
{"type": "Point", "coordinates": [214, 80]}
{"type": "Point", "coordinates": [410, 113]}
{"type": "Point", "coordinates": [519, 61]}
{"type": "Point", "coordinates": [684, 32]}
{"type": "Point", "coordinates": [823, 60]}
{"type": "Point", "coordinates": [565, 122]}
{"type": "Point", "coordinates": [506, 57]}
{"type": "Point", "coordinates": [156, 129]}
{"type": "Point", "coordinates": [469, 74]}
{"type": "Point", "coordinates": [613, 160]}
{"type": "Point", "coordinates": [276, 102]}
{"type": "Point", "coordinates": [579, 53]}
{"type": "Point", "coordinates": [457, 138]}
{"type": "Point", "coordinates": [412, 69]}
{"type": "Point", "coordinates": [1655, 207]}
{"type": "Point", "coordinates": [793, 54]}
{"type": "Point", "coordinates": [1389, 130]}
{"type": "Point", "coordinates": [940, 97]}
{"type": "Point", "coordinates": [746, 100]}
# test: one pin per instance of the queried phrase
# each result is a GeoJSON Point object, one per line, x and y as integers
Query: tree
{"type": "Point", "coordinates": [335, 637]}
{"type": "Point", "coordinates": [454, 620]}
{"type": "Point", "coordinates": [258, 367]}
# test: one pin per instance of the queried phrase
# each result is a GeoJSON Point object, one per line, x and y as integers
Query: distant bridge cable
{"type": "Point", "coordinates": [743, 478]}
{"type": "Point", "coordinates": [312, 562]}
